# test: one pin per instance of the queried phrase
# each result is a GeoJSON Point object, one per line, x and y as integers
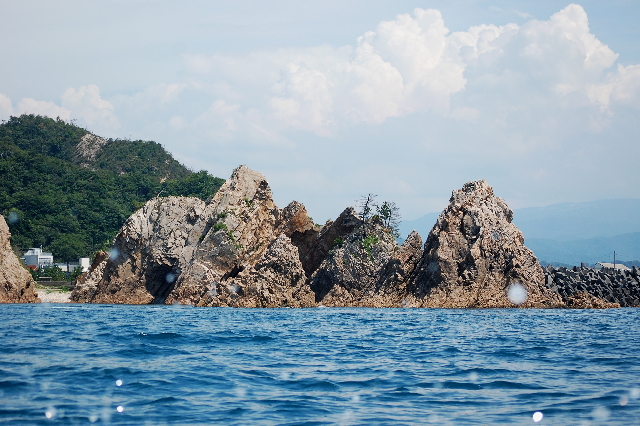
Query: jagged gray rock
{"type": "Point", "coordinates": [277, 280]}
{"type": "Point", "coordinates": [182, 250]}
{"type": "Point", "coordinates": [241, 250]}
{"type": "Point", "coordinates": [88, 148]}
{"type": "Point", "coordinates": [153, 246]}
{"type": "Point", "coordinates": [16, 284]}
{"type": "Point", "coordinates": [349, 274]}
{"type": "Point", "coordinates": [474, 253]}
{"type": "Point", "coordinates": [367, 268]}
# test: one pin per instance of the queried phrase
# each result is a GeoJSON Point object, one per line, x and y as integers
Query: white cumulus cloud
{"type": "Point", "coordinates": [46, 108]}
{"type": "Point", "coordinates": [87, 105]}
{"type": "Point", "coordinates": [405, 65]}
{"type": "Point", "coordinates": [6, 108]}
{"type": "Point", "coordinates": [413, 63]}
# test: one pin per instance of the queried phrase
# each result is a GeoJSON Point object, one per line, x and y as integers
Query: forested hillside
{"type": "Point", "coordinates": [70, 191]}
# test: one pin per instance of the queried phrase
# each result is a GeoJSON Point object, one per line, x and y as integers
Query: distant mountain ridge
{"type": "Point", "coordinates": [70, 191]}
{"type": "Point", "coordinates": [570, 233]}
{"type": "Point", "coordinates": [580, 221]}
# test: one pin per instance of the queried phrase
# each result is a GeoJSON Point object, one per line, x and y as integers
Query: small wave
{"type": "Point", "coordinates": [162, 401]}
{"type": "Point", "coordinates": [505, 384]}
{"type": "Point", "coordinates": [158, 336]}
{"type": "Point", "coordinates": [12, 384]}
{"type": "Point", "coordinates": [315, 385]}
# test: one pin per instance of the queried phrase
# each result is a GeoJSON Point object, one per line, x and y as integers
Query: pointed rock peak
{"type": "Point", "coordinates": [243, 185]}
{"type": "Point", "coordinates": [478, 195]}
{"type": "Point", "coordinates": [474, 253]}
{"type": "Point", "coordinates": [413, 240]}
{"type": "Point", "coordinates": [296, 219]}
{"type": "Point", "coordinates": [471, 191]}
{"type": "Point", "coordinates": [348, 216]}
{"type": "Point", "coordinates": [477, 185]}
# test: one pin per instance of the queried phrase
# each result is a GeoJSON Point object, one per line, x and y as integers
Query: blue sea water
{"type": "Point", "coordinates": [163, 365]}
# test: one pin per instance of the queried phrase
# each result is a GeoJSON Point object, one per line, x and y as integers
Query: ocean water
{"type": "Point", "coordinates": [163, 365]}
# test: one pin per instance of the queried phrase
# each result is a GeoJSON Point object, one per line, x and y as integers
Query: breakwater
{"type": "Point", "coordinates": [611, 285]}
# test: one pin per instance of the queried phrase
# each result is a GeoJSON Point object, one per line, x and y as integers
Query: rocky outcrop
{"type": "Point", "coordinates": [608, 285]}
{"type": "Point", "coordinates": [241, 250]}
{"type": "Point", "coordinates": [351, 273]}
{"type": "Point", "coordinates": [88, 148]}
{"type": "Point", "coordinates": [584, 300]}
{"type": "Point", "coordinates": [223, 253]}
{"type": "Point", "coordinates": [474, 253]}
{"type": "Point", "coordinates": [277, 280]}
{"type": "Point", "coordinates": [153, 246]}
{"type": "Point", "coordinates": [315, 244]}
{"type": "Point", "coordinates": [16, 284]}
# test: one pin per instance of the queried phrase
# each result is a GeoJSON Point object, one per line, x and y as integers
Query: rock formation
{"type": "Point", "coordinates": [16, 284]}
{"type": "Point", "coordinates": [88, 148]}
{"type": "Point", "coordinates": [584, 300]}
{"type": "Point", "coordinates": [241, 250]}
{"type": "Point", "coordinates": [223, 253]}
{"type": "Point", "coordinates": [366, 268]}
{"type": "Point", "coordinates": [474, 253]}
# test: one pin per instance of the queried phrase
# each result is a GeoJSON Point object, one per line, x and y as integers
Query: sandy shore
{"type": "Point", "coordinates": [53, 296]}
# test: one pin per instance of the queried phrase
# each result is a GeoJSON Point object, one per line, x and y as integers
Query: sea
{"type": "Point", "coordinates": [74, 364]}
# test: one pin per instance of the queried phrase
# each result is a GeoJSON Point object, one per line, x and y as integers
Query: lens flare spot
{"type": "Point", "coordinates": [118, 382]}
{"type": "Point", "coordinates": [13, 217]}
{"type": "Point", "coordinates": [624, 400]}
{"type": "Point", "coordinates": [517, 294]}
{"type": "Point", "coordinates": [120, 409]}
{"type": "Point", "coordinates": [601, 414]}
{"type": "Point", "coordinates": [473, 377]}
{"type": "Point", "coordinates": [170, 277]}
{"type": "Point", "coordinates": [50, 413]}
{"type": "Point", "coordinates": [537, 416]}
{"type": "Point", "coordinates": [114, 253]}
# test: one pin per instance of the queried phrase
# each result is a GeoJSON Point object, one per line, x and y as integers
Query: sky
{"type": "Point", "coordinates": [333, 100]}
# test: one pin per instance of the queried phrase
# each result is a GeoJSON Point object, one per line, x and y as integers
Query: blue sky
{"type": "Point", "coordinates": [332, 100]}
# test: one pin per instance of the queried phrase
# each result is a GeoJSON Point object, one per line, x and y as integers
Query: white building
{"type": "Point", "coordinates": [619, 266]}
{"type": "Point", "coordinates": [83, 262]}
{"type": "Point", "coordinates": [38, 258]}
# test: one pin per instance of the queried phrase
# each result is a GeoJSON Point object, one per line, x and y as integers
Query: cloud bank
{"type": "Point", "coordinates": [503, 102]}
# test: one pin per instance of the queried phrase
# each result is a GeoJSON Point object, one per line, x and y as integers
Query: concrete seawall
{"type": "Point", "coordinates": [612, 285]}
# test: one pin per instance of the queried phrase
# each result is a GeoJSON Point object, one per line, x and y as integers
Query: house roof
{"type": "Point", "coordinates": [611, 265]}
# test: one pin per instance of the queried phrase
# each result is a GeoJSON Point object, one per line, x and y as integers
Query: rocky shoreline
{"type": "Point", "coordinates": [240, 250]}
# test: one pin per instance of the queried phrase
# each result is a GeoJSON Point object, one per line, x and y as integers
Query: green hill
{"type": "Point", "coordinates": [70, 191]}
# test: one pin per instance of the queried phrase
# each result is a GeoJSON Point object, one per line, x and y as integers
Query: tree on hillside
{"type": "Point", "coordinates": [69, 247]}
{"type": "Point", "coordinates": [71, 205]}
